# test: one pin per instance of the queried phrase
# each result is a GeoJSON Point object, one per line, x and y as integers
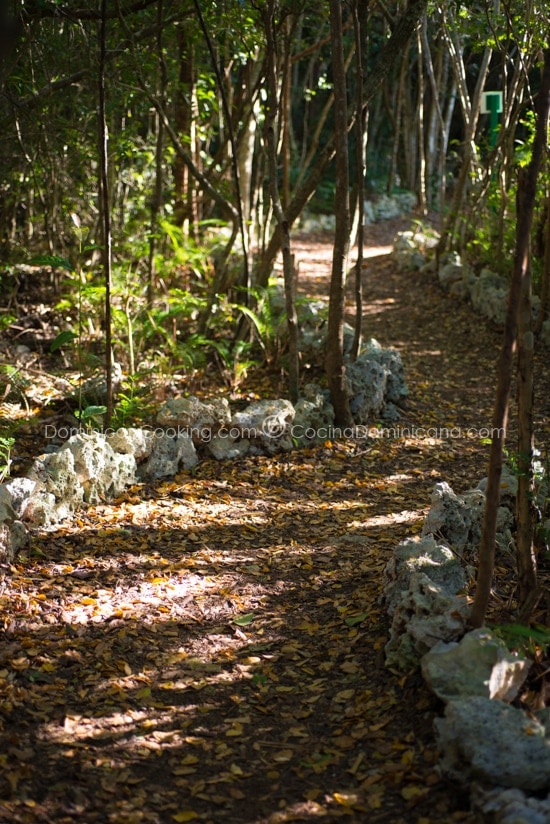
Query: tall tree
{"type": "Point", "coordinates": [527, 192]}
{"type": "Point", "coordinates": [335, 367]}
{"type": "Point", "coordinates": [105, 211]}
{"type": "Point", "coordinates": [272, 111]}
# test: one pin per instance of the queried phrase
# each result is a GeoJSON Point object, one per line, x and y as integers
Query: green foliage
{"type": "Point", "coordinates": [492, 240]}
{"type": "Point", "coordinates": [63, 339]}
{"type": "Point", "coordinates": [523, 638]}
{"type": "Point", "coordinates": [91, 416]}
{"type": "Point", "coordinates": [55, 261]}
{"type": "Point", "coordinates": [15, 382]}
{"type": "Point", "coordinates": [133, 403]}
{"type": "Point", "coordinates": [6, 444]}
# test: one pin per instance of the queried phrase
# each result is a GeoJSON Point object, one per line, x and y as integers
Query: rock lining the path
{"type": "Point", "coordinates": [381, 207]}
{"type": "Point", "coordinates": [486, 291]}
{"type": "Point", "coordinates": [90, 466]}
{"type": "Point", "coordinates": [500, 750]}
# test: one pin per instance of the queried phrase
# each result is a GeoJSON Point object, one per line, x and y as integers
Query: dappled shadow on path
{"type": "Point", "coordinates": [211, 648]}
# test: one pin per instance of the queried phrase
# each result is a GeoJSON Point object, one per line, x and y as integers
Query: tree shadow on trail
{"type": "Point", "coordinates": [229, 670]}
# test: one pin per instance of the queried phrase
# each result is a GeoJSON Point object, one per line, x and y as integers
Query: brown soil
{"type": "Point", "coordinates": [210, 649]}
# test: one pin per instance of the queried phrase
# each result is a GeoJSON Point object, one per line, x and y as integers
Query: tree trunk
{"type": "Point", "coordinates": [336, 370]}
{"type": "Point", "coordinates": [525, 513]}
{"type": "Point", "coordinates": [399, 106]}
{"type": "Point", "coordinates": [422, 197]}
{"type": "Point", "coordinates": [105, 211]}
{"type": "Point", "coordinates": [545, 276]}
{"type": "Point", "coordinates": [183, 195]}
{"type": "Point", "coordinates": [360, 181]}
{"type": "Point", "coordinates": [282, 220]}
{"type": "Point", "coordinates": [527, 189]}
{"type": "Point", "coordinates": [156, 198]}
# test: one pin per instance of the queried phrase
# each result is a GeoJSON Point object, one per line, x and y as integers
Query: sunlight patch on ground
{"type": "Point", "coordinates": [376, 251]}
{"type": "Point", "coordinates": [404, 517]}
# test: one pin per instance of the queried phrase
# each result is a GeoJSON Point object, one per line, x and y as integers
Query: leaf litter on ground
{"type": "Point", "coordinates": [211, 648]}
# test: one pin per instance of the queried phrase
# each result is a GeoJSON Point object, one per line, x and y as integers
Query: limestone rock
{"type": "Point", "coordinates": [228, 448]}
{"type": "Point", "coordinates": [424, 615]}
{"type": "Point", "coordinates": [169, 455]}
{"type": "Point", "coordinates": [136, 442]}
{"type": "Point", "coordinates": [200, 420]}
{"type": "Point", "coordinates": [101, 472]}
{"type": "Point", "coordinates": [452, 271]}
{"type": "Point", "coordinates": [452, 516]}
{"type": "Point", "coordinates": [457, 519]}
{"type": "Point", "coordinates": [386, 207]}
{"type": "Point", "coordinates": [510, 806]}
{"type": "Point", "coordinates": [406, 252]}
{"type": "Point", "coordinates": [42, 510]}
{"type": "Point", "coordinates": [489, 296]}
{"type": "Point", "coordinates": [480, 664]}
{"type": "Point", "coordinates": [267, 425]}
{"type": "Point", "coordinates": [411, 249]}
{"type": "Point", "coordinates": [13, 537]}
{"type": "Point", "coordinates": [435, 560]}
{"type": "Point", "coordinates": [60, 492]}
{"type": "Point", "coordinates": [490, 741]}
{"type": "Point", "coordinates": [406, 201]}
{"type": "Point", "coordinates": [314, 416]}
{"type": "Point", "coordinates": [14, 496]}
{"type": "Point", "coordinates": [375, 379]}
{"type": "Point", "coordinates": [508, 484]}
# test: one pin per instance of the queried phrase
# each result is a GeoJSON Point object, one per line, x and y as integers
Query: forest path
{"type": "Point", "coordinates": [210, 649]}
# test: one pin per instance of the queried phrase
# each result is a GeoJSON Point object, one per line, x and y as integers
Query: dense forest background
{"type": "Point", "coordinates": [139, 141]}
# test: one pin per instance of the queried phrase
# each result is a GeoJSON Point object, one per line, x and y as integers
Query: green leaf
{"type": "Point", "coordinates": [355, 619]}
{"type": "Point", "coordinates": [539, 634]}
{"type": "Point", "coordinates": [63, 338]}
{"type": "Point", "coordinates": [89, 413]}
{"type": "Point", "coordinates": [244, 620]}
{"type": "Point", "coordinates": [55, 261]}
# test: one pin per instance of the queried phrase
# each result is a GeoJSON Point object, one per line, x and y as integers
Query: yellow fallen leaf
{"type": "Point", "coordinates": [346, 799]}
{"type": "Point", "coordinates": [344, 695]}
{"type": "Point", "coordinates": [145, 692]}
{"type": "Point", "coordinates": [283, 755]}
{"type": "Point", "coordinates": [412, 791]}
{"type": "Point", "coordinates": [185, 815]}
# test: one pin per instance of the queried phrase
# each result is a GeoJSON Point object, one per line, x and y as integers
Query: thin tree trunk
{"type": "Point", "coordinates": [399, 105]}
{"type": "Point", "coordinates": [106, 212]}
{"type": "Point", "coordinates": [156, 200]}
{"type": "Point", "coordinates": [422, 200]}
{"type": "Point", "coordinates": [527, 189]}
{"type": "Point", "coordinates": [183, 183]}
{"type": "Point", "coordinates": [359, 182]}
{"type": "Point", "coordinates": [525, 513]}
{"type": "Point", "coordinates": [234, 154]}
{"type": "Point", "coordinates": [282, 220]}
{"type": "Point", "coordinates": [545, 277]}
{"type": "Point", "coordinates": [436, 108]}
{"type": "Point", "coordinates": [336, 370]}
{"type": "Point", "coordinates": [285, 120]}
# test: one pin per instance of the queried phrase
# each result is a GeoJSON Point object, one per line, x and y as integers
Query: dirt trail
{"type": "Point", "coordinates": [211, 649]}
